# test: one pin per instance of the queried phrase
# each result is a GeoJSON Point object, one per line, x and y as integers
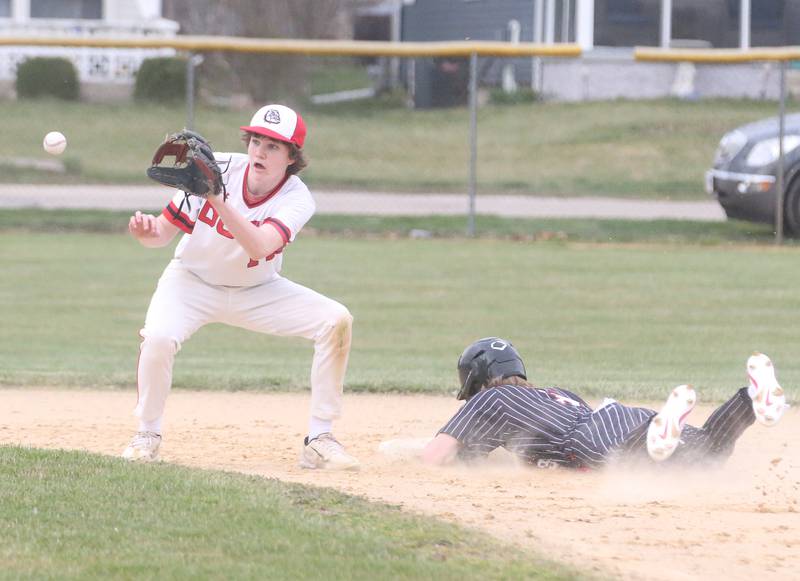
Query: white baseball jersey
{"type": "Point", "coordinates": [209, 251]}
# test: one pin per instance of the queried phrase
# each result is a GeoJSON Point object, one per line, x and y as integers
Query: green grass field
{"type": "Point", "coordinates": [519, 229]}
{"type": "Point", "coordinates": [619, 308]}
{"type": "Point", "coordinates": [120, 521]}
{"type": "Point", "coordinates": [640, 149]}
{"type": "Point", "coordinates": [681, 303]}
{"type": "Point", "coordinates": [626, 320]}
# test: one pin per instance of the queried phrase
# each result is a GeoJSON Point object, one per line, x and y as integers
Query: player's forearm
{"type": "Point", "coordinates": [441, 450]}
{"type": "Point", "coordinates": [256, 242]}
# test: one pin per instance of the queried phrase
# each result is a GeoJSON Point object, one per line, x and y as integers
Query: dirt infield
{"type": "Point", "coordinates": [739, 522]}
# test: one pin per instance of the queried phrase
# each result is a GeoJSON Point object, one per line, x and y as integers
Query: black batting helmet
{"type": "Point", "coordinates": [485, 360]}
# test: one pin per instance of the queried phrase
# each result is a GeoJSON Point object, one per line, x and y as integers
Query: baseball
{"type": "Point", "coordinates": [55, 143]}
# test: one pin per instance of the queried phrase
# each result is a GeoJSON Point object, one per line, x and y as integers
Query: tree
{"type": "Point", "coordinates": [264, 77]}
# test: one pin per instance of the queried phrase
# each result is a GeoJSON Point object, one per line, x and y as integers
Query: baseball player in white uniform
{"type": "Point", "coordinates": [226, 269]}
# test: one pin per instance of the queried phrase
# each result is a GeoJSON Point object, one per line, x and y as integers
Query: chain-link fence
{"type": "Point", "coordinates": [460, 129]}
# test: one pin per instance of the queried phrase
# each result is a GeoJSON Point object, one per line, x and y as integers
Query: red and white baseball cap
{"type": "Point", "coordinates": [278, 122]}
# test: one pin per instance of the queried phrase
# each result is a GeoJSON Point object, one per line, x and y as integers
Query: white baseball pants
{"type": "Point", "coordinates": [182, 303]}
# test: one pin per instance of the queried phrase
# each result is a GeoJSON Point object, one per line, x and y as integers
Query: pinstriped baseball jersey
{"type": "Point", "coordinates": [555, 425]}
{"type": "Point", "coordinates": [209, 251]}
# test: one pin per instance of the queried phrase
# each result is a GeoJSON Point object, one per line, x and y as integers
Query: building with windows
{"type": "Point", "coordinates": [607, 31]}
{"type": "Point", "coordinates": [104, 73]}
{"type": "Point", "coordinates": [606, 23]}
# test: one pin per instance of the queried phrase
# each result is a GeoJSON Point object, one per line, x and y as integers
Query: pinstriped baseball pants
{"type": "Point", "coordinates": [618, 432]}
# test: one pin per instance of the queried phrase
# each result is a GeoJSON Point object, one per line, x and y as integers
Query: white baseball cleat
{"type": "Point", "coordinates": [144, 447]}
{"type": "Point", "coordinates": [769, 401]}
{"type": "Point", "coordinates": [664, 432]}
{"type": "Point", "coordinates": [325, 451]}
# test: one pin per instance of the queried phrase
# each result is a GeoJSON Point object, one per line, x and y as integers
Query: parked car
{"type": "Point", "coordinates": [744, 175]}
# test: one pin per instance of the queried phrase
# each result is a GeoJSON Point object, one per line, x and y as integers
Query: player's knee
{"type": "Point", "coordinates": [338, 327]}
{"type": "Point", "coordinates": [343, 324]}
{"type": "Point", "coordinates": [344, 320]}
{"type": "Point", "coordinates": [156, 343]}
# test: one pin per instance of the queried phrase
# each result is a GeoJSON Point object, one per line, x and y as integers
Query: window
{"type": "Point", "coordinates": [625, 11]}
{"type": "Point", "coordinates": [763, 13]}
{"type": "Point", "coordinates": [90, 9]}
{"type": "Point", "coordinates": [5, 8]}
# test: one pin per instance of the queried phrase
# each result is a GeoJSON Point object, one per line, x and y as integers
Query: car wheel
{"type": "Point", "coordinates": [792, 209]}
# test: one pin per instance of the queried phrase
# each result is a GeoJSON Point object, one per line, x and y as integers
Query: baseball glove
{"type": "Point", "coordinates": [185, 161]}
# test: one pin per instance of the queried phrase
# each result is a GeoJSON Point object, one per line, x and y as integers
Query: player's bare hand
{"type": "Point", "coordinates": [143, 226]}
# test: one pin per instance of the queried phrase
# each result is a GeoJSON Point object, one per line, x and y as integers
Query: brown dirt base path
{"type": "Point", "coordinates": [741, 522]}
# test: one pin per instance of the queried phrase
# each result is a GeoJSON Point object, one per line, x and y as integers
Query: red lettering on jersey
{"type": "Point", "coordinates": [224, 231]}
{"type": "Point", "coordinates": [208, 215]}
{"type": "Point", "coordinates": [253, 263]}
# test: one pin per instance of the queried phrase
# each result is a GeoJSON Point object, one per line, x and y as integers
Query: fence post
{"type": "Point", "coordinates": [473, 139]}
{"type": "Point", "coordinates": [779, 194]}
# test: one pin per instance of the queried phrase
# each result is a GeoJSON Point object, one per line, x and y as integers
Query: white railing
{"type": "Point", "coordinates": [94, 65]}
{"type": "Point", "coordinates": [84, 27]}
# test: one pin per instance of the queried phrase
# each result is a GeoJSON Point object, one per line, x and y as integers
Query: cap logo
{"type": "Point", "coordinates": [272, 116]}
{"type": "Point", "coordinates": [498, 345]}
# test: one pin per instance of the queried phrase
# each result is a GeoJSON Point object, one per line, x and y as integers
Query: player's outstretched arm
{"type": "Point", "coordinates": [151, 231]}
{"type": "Point", "coordinates": [441, 450]}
